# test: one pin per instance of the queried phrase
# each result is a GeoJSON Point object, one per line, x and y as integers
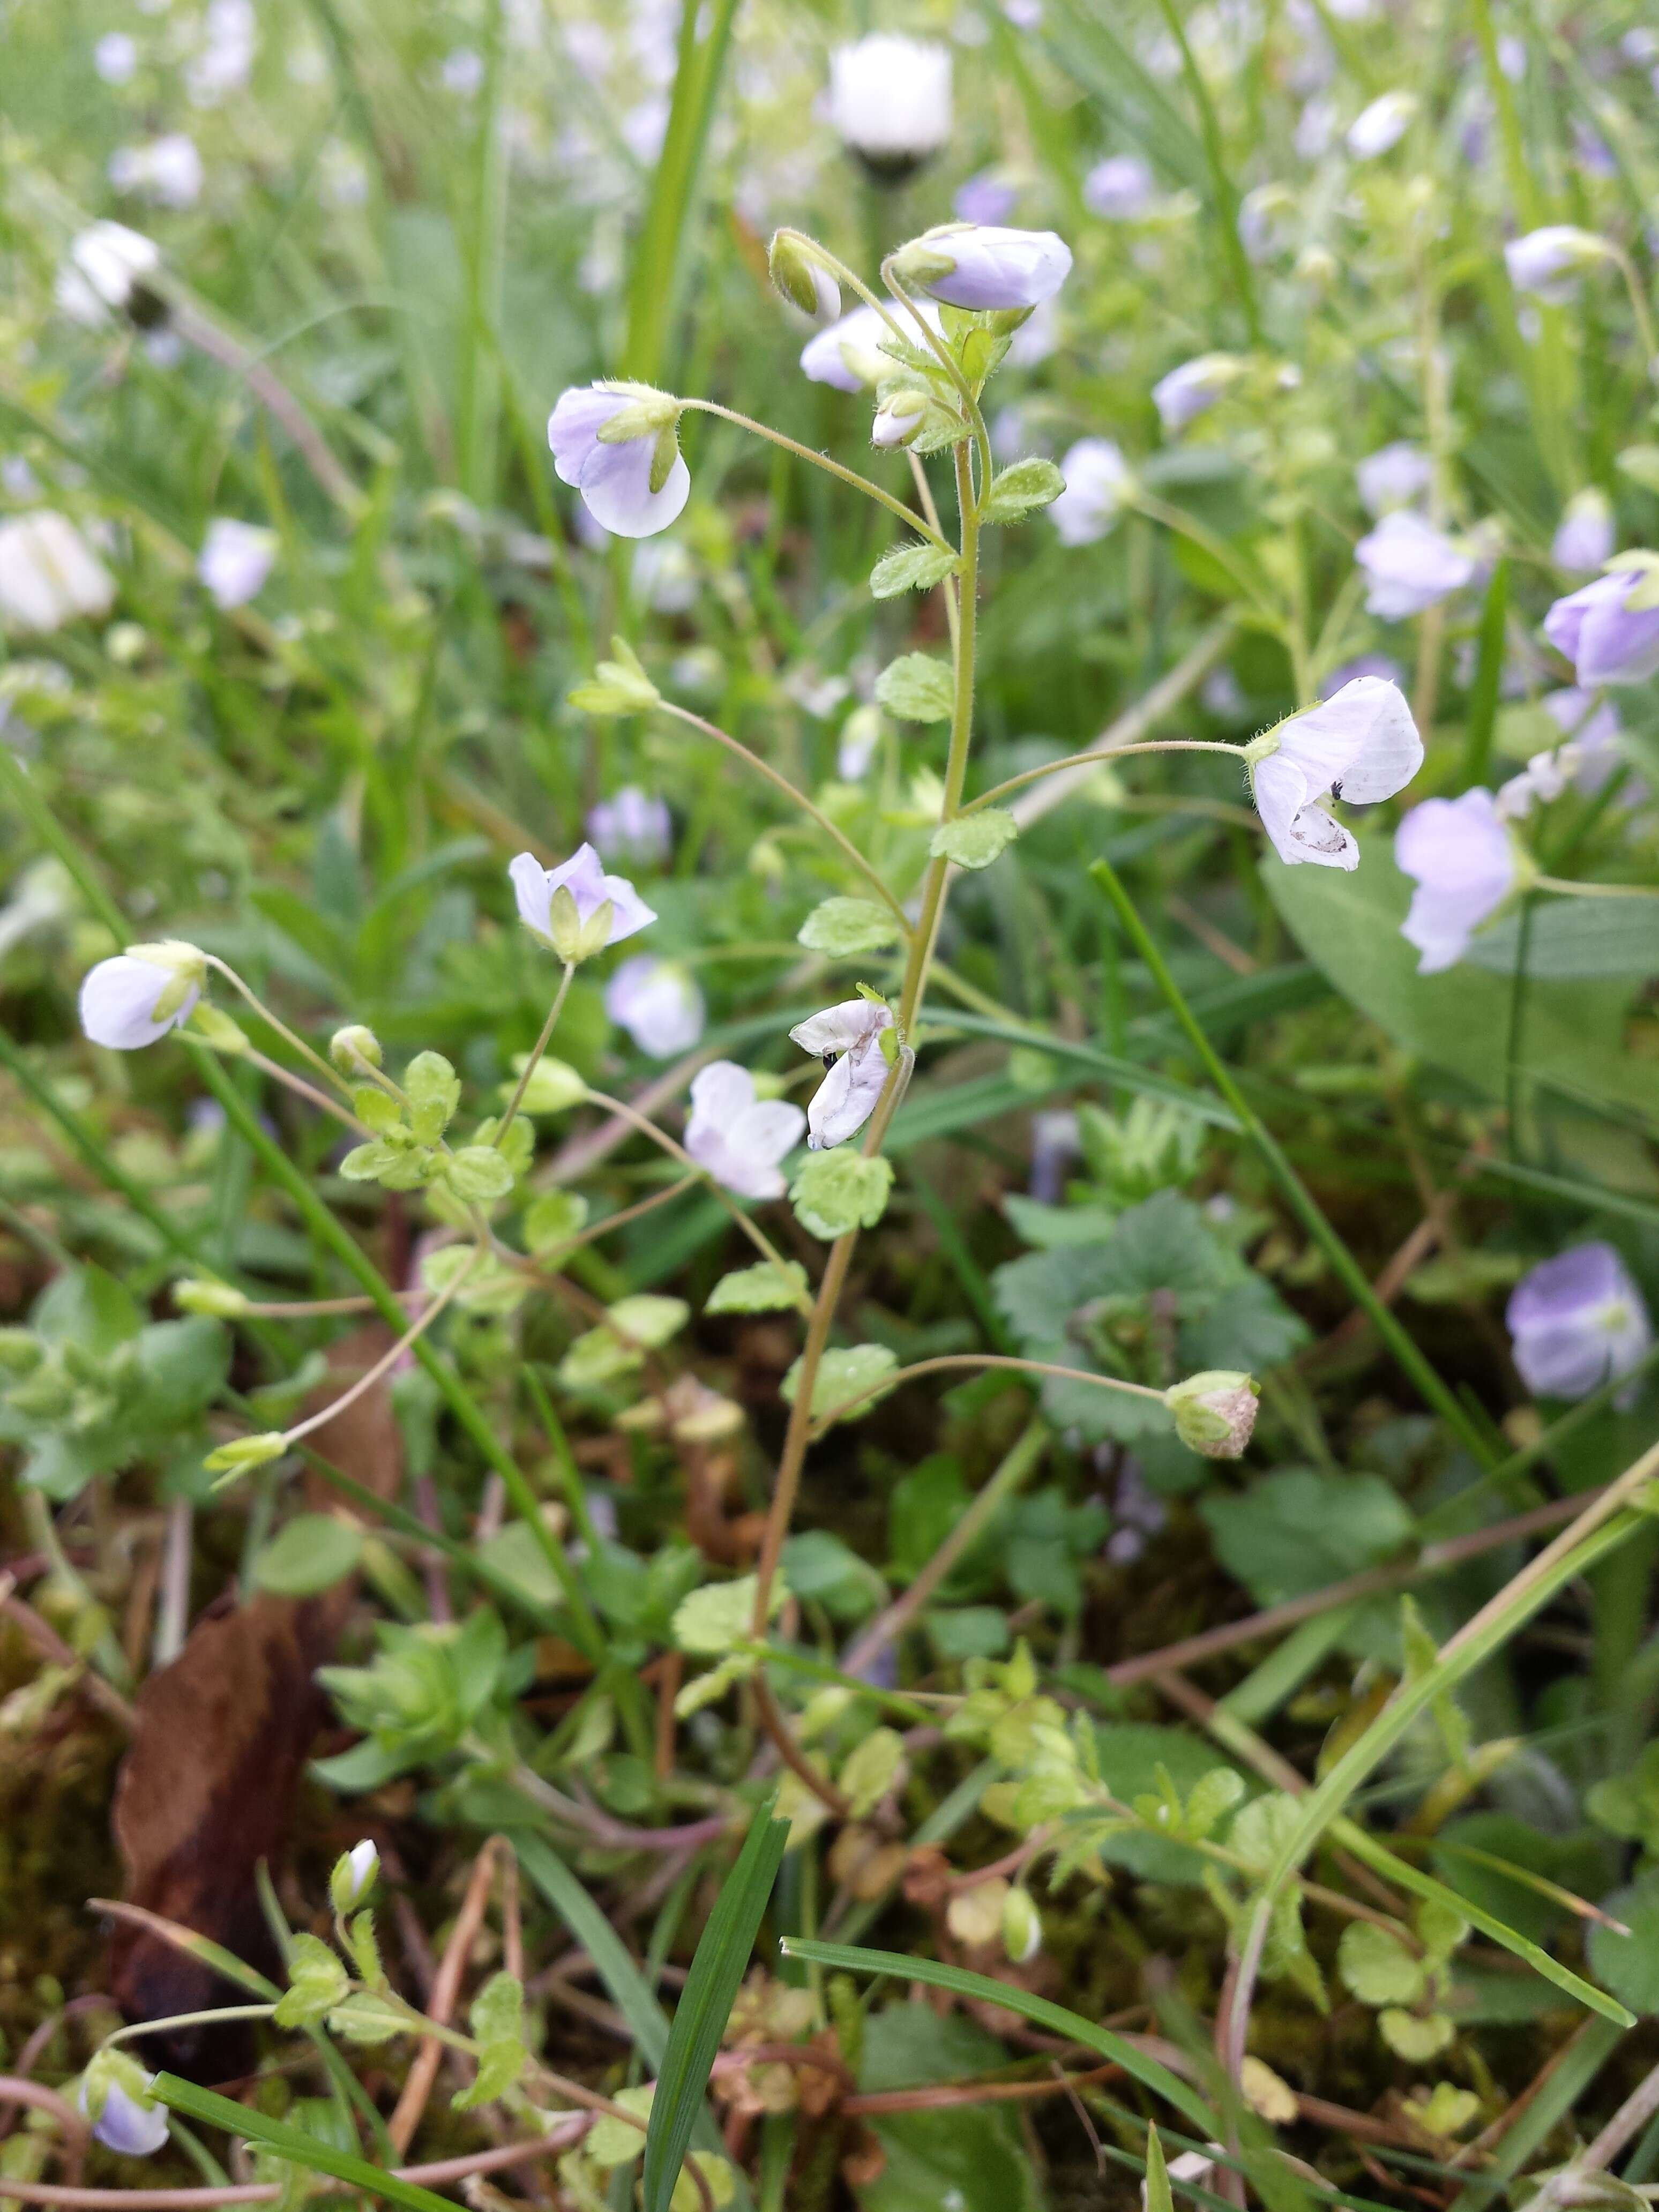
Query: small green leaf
{"type": "Point", "coordinates": [647, 1319]}
{"type": "Point", "coordinates": [870, 1770]}
{"type": "Point", "coordinates": [764, 1288]}
{"type": "Point", "coordinates": [373, 1162]}
{"type": "Point", "coordinates": [610, 2141]}
{"type": "Point", "coordinates": [917, 689]}
{"type": "Point", "coordinates": [312, 1553]}
{"type": "Point", "coordinates": [367, 2017]}
{"type": "Point", "coordinates": [973, 840]}
{"type": "Point", "coordinates": [711, 1621]}
{"type": "Point", "coordinates": [1159, 2197]}
{"type": "Point", "coordinates": [1376, 1966]}
{"type": "Point", "coordinates": [479, 1174]}
{"type": "Point", "coordinates": [497, 2022]}
{"type": "Point", "coordinates": [1415, 2036]}
{"type": "Point", "coordinates": [435, 1092]}
{"type": "Point", "coordinates": [718, 1965]}
{"type": "Point", "coordinates": [620, 686]}
{"type": "Point", "coordinates": [912, 567]}
{"type": "Point", "coordinates": [840, 1190]}
{"type": "Point", "coordinates": [553, 1221]}
{"type": "Point", "coordinates": [1021, 488]}
{"type": "Point", "coordinates": [843, 926]}
{"type": "Point", "coordinates": [317, 1981]}
{"type": "Point", "coordinates": [843, 1375]}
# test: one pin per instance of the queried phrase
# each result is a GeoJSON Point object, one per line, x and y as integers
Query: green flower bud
{"type": "Point", "coordinates": [355, 1874]}
{"type": "Point", "coordinates": [354, 1047]}
{"type": "Point", "coordinates": [1214, 1412]}
{"type": "Point", "coordinates": [242, 1453]}
{"type": "Point", "coordinates": [1022, 1927]}
{"type": "Point", "coordinates": [799, 279]}
{"type": "Point", "coordinates": [196, 1294]}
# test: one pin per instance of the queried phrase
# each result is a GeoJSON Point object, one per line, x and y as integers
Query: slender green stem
{"type": "Point", "coordinates": [906, 515]}
{"type": "Point", "coordinates": [647, 1127]}
{"type": "Point", "coordinates": [537, 1050]}
{"type": "Point", "coordinates": [954, 370]}
{"type": "Point", "coordinates": [308, 1092]}
{"type": "Point", "coordinates": [843, 844]}
{"type": "Point", "coordinates": [387, 1360]}
{"type": "Point", "coordinates": [980, 1360]}
{"type": "Point", "coordinates": [1095, 758]}
{"type": "Point", "coordinates": [1566, 890]}
{"type": "Point", "coordinates": [1184, 524]}
{"type": "Point", "coordinates": [1411, 1360]}
{"type": "Point", "coordinates": [223, 968]}
{"type": "Point", "coordinates": [1640, 309]}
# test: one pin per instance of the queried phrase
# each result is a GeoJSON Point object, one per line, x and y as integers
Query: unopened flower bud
{"type": "Point", "coordinates": [1022, 1927]}
{"type": "Point", "coordinates": [801, 280]}
{"type": "Point", "coordinates": [354, 1047]}
{"type": "Point", "coordinates": [19, 1351]}
{"type": "Point", "coordinates": [115, 2096]}
{"type": "Point", "coordinates": [195, 1294]}
{"type": "Point", "coordinates": [1214, 1412]}
{"type": "Point", "coordinates": [242, 1453]}
{"type": "Point", "coordinates": [899, 418]}
{"type": "Point", "coordinates": [354, 1875]}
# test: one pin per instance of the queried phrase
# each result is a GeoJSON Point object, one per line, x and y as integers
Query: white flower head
{"type": "Point", "coordinates": [115, 2095]}
{"type": "Point", "coordinates": [657, 1003]}
{"type": "Point", "coordinates": [889, 101]}
{"type": "Point", "coordinates": [49, 574]}
{"type": "Point", "coordinates": [1410, 566]}
{"type": "Point", "coordinates": [1394, 476]}
{"type": "Point", "coordinates": [115, 57]}
{"type": "Point", "coordinates": [1185, 392]}
{"type": "Point", "coordinates": [1381, 126]}
{"type": "Point", "coordinates": [1465, 865]}
{"type": "Point", "coordinates": [737, 1137]}
{"type": "Point", "coordinates": [167, 170]}
{"type": "Point", "coordinates": [234, 561]}
{"type": "Point", "coordinates": [105, 264]}
{"type": "Point", "coordinates": [1097, 483]}
{"type": "Point", "coordinates": [848, 353]}
{"type": "Point", "coordinates": [1549, 262]}
{"type": "Point", "coordinates": [848, 1039]}
{"type": "Point", "coordinates": [134, 999]}
{"type": "Point", "coordinates": [595, 909]}
{"type": "Point", "coordinates": [1360, 745]}
{"type": "Point", "coordinates": [616, 445]}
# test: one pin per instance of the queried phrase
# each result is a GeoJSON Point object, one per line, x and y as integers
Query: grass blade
{"type": "Point", "coordinates": [717, 1968]}
{"type": "Point", "coordinates": [1149, 2072]}
{"type": "Point", "coordinates": [307, 2151]}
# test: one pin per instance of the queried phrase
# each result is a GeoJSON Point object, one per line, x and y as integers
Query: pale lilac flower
{"type": "Point", "coordinates": [614, 480]}
{"type": "Point", "coordinates": [1549, 263]}
{"type": "Point", "coordinates": [1578, 1321]}
{"type": "Point", "coordinates": [737, 1137]}
{"type": "Point", "coordinates": [1055, 1143]}
{"type": "Point", "coordinates": [899, 418]}
{"type": "Point", "coordinates": [889, 101]}
{"type": "Point", "coordinates": [115, 57]}
{"type": "Point", "coordinates": [134, 999]}
{"type": "Point", "coordinates": [987, 197]}
{"type": "Point", "coordinates": [1465, 865]}
{"type": "Point", "coordinates": [1121, 188]}
{"type": "Point", "coordinates": [657, 1003]}
{"type": "Point", "coordinates": [463, 72]}
{"type": "Point", "coordinates": [167, 170]}
{"type": "Point", "coordinates": [1360, 745]}
{"type": "Point", "coordinates": [49, 574]}
{"type": "Point", "coordinates": [1394, 476]}
{"type": "Point", "coordinates": [1315, 128]}
{"type": "Point", "coordinates": [1583, 541]}
{"type": "Point", "coordinates": [1187, 391]}
{"type": "Point", "coordinates": [123, 2124]}
{"type": "Point", "coordinates": [235, 559]}
{"type": "Point", "coordinates": [226, 61]}
{"type": "Point", "coordinates": [583, 876]}
{"type": "Point", "coordinates": [1607, 641]}
{"type": "Point", "coordinates": [848, 353]}
{"type": "Point", "coordinates": [1410, 566]}
{"type": "Point", "coordinates": [103, 265]}
{"type": "Point", "coordinates": [1097, 482]}
{"type": "Point", "coordinates": [666, 576]}
{"type": "Point", "coordinates": [1381, 126]}
{"type": "Point", "coordinates": [1036, 337]}
{"type": "Point", "coordinates": [1545, 777]}
{"type": "Point", "coordinates": [632, 823]}
{"type": "Point", "coordinates": [1267, 222]}
{"type": "Point", "coordinates": [1592, 724]}
{"type": "Point", "coordinates": [980, 266]}
{"type": "Point", "coordinates": [860, 733]}
{"type": "Point", "coordinates": [847, 1038]}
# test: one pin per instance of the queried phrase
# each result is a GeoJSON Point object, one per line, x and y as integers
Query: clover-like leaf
{"type": "Point", "coordinates": [1376, 1966]}
{"type": "Point", "coordinates": [973, 840]}
{"type": "Point", "coordinates": [840, 1190]}
{"type": "Point", "coordinates": [843, 926]}
{"type": "Point", "coordinates": [912, 567]}
{"type": "Point", "coordinates": [916, 687]}
{"type": "Point", "coordinates": [1021, 488]}
{"type": "Point", "coordinates": [767, 1287]}
{"type": "Point", "coordinates": [843, 1374]}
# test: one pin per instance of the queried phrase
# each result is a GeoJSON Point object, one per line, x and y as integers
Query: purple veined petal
{"type": "Point", "coordinates": [122, 2125]}
{"type": "Point", "coordinates": [629, 911]}
{"type": "Point", "coordinates": [583, 876]}
{"type": "Point", "coordinates": [1564, 1360]}
{"type": "Point", "coordinates": [720, 1092]}
{"type": "Point", "coordinates": [1460, 853]}
{"type": "Point", "coordinates": [532, 892]}
{"type": "Point", "coordinates": [993, 268]}
{"type": "Point", "coordinates": [1579, 1321]}
{"type": "Point", "coordinates": [1583, 1277]}
{"type": "Point", "coordinates": [1393, 476]}
{"type": "Point", "coordinates": [615, 482]}
{"type": "Point", "coordinates": [1606, 641]}
{"type": "Point", "coordinates": [118, 999]}
{"type": "Point", "coordinates": [839, 1028]}
{"type": "Point", "coordinates": [658, 1003]}
{"type": "Point", "coordinates": [1299, 831]}
{"type": "Point", "coordinates": [1584, 537]}
{"type": "Point", "coordinates": [1389, 752]}
{"type": "Point", "coordinates": [1410, 566]}
{"type": "Point", "coordinates": [574, 427]}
